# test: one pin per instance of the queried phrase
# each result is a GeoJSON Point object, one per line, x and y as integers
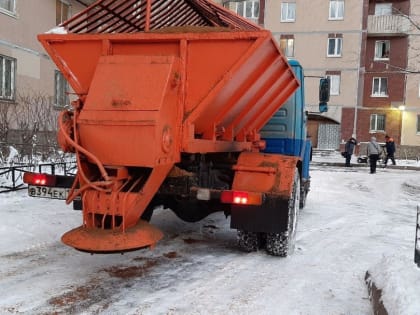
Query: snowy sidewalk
{"type": "Point", "coordinates": [334, 158]}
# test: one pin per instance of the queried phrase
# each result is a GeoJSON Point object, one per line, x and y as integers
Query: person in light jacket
{"type": "Point", "coordinates": [373, 152]}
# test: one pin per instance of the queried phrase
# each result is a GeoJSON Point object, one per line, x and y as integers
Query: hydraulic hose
{"type": "Point", "coordinates": [89, 184]}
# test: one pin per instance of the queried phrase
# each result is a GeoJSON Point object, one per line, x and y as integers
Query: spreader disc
{"type": "Point", "coordinates": [95, 240]}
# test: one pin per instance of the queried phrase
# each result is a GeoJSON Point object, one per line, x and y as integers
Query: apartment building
{"type": "Point", "coordinates": [410, 129]}
{"type": "Point", "coordinates": [368, 48]}
{"type": "Point", "coordinates": [28, 78]}
{"type": "Point", "coordinates": [327, 45]}
{"type": "Point", "coordinates": [383, 65]}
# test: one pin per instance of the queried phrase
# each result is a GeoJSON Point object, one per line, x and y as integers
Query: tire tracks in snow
{"type": "Point", "coordinates": [20, 262]}
{"type": "Point", "coordinates": [74, 282]}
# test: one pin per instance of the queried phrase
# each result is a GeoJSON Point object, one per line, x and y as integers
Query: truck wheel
{"type": "Point", "coordinates": [283, 244]}
{"type": "Point", "coordinates": [250, 241]}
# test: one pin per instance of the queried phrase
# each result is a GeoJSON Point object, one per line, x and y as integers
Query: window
{"type": "Point", "coordinates": [288, 12]}
{"type": "Point", "coordinates": [61, 97]}
{"type": "Point", "coordinates": [8, 6]}
{"type": "Point", "coordinates": [383, 9]}
{"type": "Point", "coordinates": [62, 11]}
{"type": "Point", "coordinates": [418, 125]}
{"type": "Point", "coordinates": [249, 9]}
{"type": "Point", "coordinates": [336, 10]}
{"type": "Point", "coordinates": [382, 49]}
{"type": "Point", "coordinates": [287, 45]}
{"type": "Point", "coordinates": [334, 83]}
{"type": "Point", "coordinates": [335, 43]}
{"type": "Point", "coordinates": [7, 78]}
{"type": "Point", "coordinates": [377, 122]}
{"type": "Point", "coordinates": [380, 87]}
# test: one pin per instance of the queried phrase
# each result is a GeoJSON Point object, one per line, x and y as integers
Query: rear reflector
{"type": "Point", "coordinates": [241, 197]}
{"type": "Point", "coordinates": [203, 194]}
{"type": "Point", "coordinates": [38, 179]}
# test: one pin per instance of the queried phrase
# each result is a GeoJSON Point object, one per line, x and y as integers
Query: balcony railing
{"type": "Point", "coordinates": [394, 25]}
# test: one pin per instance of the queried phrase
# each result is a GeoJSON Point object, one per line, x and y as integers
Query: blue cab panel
{"type": "Point", "coordinates": [285, 132]}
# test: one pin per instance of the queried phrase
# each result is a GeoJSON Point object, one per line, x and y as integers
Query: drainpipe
{"type": "Point", "coordinates": [361, 76]}
{"type": "Point", "coordinates": [261, 17]}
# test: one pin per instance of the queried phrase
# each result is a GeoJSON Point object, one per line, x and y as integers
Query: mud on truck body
{"type": "Point", "coordinates": [179, 104]}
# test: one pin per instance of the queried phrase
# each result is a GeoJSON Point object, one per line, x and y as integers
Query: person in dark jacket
{"type": "Point", "coordinates": [390, 150]}
{"type": "Point", "coordinates": [349, 149]}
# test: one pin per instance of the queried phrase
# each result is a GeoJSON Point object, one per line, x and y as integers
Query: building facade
{"type": "Point", "coordinates": [410, 131]}
{"type": "Point", "coordinates": [30, 85]}
{"type": "Point", "coordinates": [369, 49]}
{"type": "Point", "coordinates": [327, 44]}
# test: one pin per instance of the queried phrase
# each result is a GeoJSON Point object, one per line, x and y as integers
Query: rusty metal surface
{"type": "Point", "coordinates": [129, 16]}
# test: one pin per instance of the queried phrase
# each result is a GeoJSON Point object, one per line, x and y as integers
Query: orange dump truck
{"type": "Point", "coordinates": [172, 96]}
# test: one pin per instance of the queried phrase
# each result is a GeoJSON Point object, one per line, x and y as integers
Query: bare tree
{"type": "Point", "coordinates": [5, 113]}
{"type": "Point", "coordinates": [34, 120]}
{"type": "Point", "coordinates": [414, 67]}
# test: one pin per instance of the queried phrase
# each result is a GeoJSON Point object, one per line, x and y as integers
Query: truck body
{"type": "Point", "coordinates": [286, 132]}
{"type": "Point", "coordinates": [175, 108]}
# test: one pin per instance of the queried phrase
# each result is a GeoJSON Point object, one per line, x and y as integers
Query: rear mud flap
{"type": "Point", "coordinates": [273, 175]}
{"type": "Point", "coordinates": [271, 217]}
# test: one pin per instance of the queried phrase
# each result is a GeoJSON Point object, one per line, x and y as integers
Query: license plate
{"type": "Point", "coordinates": [48, 192]}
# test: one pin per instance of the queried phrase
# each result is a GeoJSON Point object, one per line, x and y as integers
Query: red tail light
{"type": "Point", "coordinates": [38, 179]}
{"type": "Point", "coordinates": [241, 197]}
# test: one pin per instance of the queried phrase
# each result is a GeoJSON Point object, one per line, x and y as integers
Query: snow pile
{"type": "Point", "coordinates": [57, 30]}
{"type": "Point", "coordinates": [399, 279]}
{"type": "Point", "coordinates": [12, 155]}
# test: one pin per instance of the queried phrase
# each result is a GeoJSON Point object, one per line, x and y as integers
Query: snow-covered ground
{"type": "Point", "coordinates": [353, 222]}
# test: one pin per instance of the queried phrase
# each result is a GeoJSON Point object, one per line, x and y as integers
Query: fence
{"type": "Point", "coordinates": [417, 240]}
{"type": "Point", "coordinates": [11, 177]}
{"type": "Point", "coordinates": [29, 152]}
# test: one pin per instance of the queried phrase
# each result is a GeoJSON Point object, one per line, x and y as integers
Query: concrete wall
{"type": "Point", "coordinates": [18, 39]}
{"type": "Point", "coordinates": [34, 78]}
{"type": "Point", "coordinates": [311, 30]}
{"type": "Point", "coordinates": [409, 135]}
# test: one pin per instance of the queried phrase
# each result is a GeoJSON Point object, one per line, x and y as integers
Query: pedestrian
{"type": "Point", "coordinates": [349, 149]}
{"type": "Point", "coordinates": [390, 150]}
{"type": "Point", "coordinates": [373, 152]}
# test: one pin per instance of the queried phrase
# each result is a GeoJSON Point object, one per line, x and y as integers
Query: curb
{"type": "Point", "coordinates": [392, 167]}
{"type": "Point", "coordinates": [375, 296]}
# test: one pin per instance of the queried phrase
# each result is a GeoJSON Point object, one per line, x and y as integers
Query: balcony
{"type": "Point", "coordinates": [388, 25]}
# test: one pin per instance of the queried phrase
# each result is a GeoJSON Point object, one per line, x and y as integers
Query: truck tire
{"type": "Point", "coordinates": [250, 241]}
{"type": "Point", "coordinates": [282, 244]}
